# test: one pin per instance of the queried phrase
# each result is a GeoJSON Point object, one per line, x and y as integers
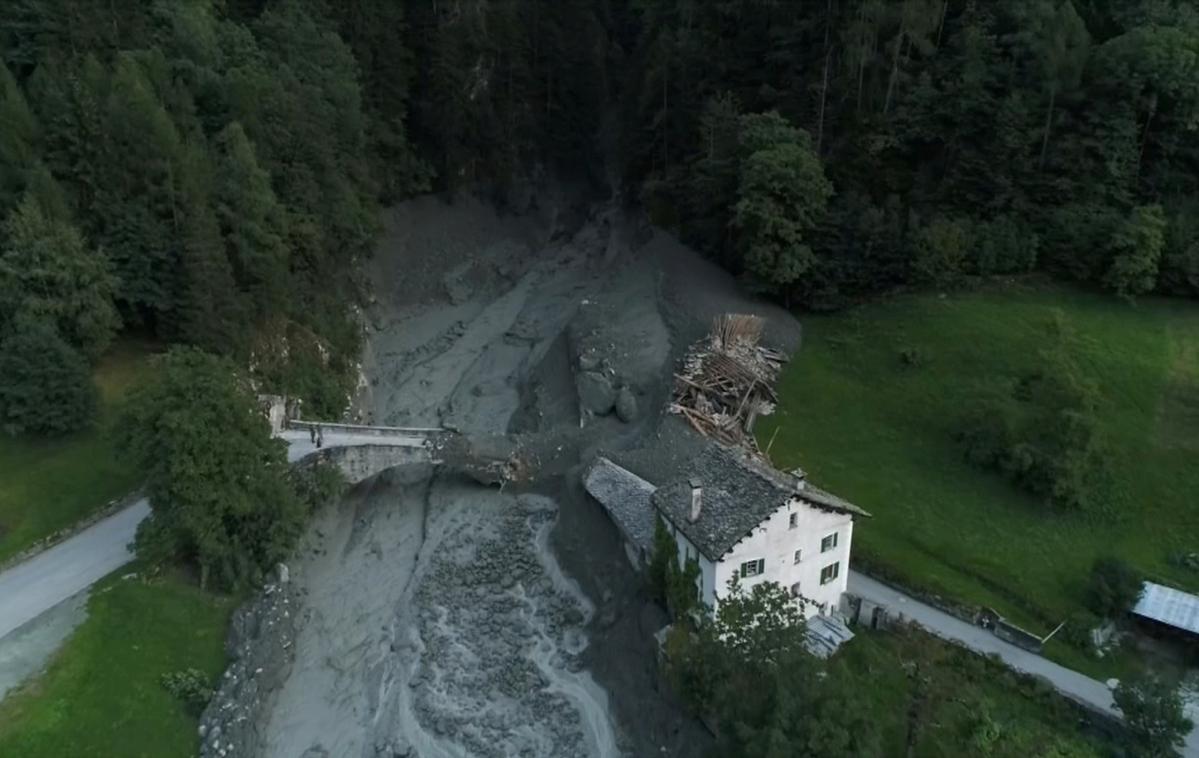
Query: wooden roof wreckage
{"type": "Point", "coordinates": [727, 381]}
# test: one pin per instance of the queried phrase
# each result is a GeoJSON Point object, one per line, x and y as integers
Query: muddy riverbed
{"type": "Point", "coordinates": [429, 616]}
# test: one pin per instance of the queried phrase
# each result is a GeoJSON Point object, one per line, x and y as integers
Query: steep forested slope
{"type": "Point", "coordinates": [212, 166]}
{"type": "Point", "coordinates": [961, 137]}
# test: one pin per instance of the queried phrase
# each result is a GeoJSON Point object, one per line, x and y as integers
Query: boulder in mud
{"type": "Point", "coordinates": [626, 405]}
{"type": "Point", "coordinates": [596, 393]}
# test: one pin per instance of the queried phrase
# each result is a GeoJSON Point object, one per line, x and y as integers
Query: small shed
{"type": "Point", "coordinates": [626, 498]}
{"type": "Point", "coordinates": [1168, 606]}
{"type": "Point", "coordinates": [823, 634]}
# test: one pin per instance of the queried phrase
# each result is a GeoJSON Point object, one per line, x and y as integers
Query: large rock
{"type": "Point", "coordinates": [596, 393]}
{"type": "Point", "coordinates": [626, 405]}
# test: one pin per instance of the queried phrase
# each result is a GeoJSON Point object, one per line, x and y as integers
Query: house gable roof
{"type": "Point", "coordinates": [739, 493]}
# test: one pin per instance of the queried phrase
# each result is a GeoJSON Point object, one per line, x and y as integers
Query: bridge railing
{"type": "Point", "coordinates": [364, 430]}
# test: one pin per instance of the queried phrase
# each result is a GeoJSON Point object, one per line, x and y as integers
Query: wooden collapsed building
{"type": "Point", "coordinates": [727, 381]}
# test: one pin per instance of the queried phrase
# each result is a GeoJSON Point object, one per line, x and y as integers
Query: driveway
{"type": "Point", "coordinates": [1082, 689]}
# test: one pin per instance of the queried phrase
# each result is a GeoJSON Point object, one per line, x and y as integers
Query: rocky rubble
{"type": "Point", "coordinates": [260, 650]}
{"type": "Point", "coordinates": [501, 640]}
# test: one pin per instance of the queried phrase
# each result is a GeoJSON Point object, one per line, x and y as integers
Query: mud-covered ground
{"type": "Point", "coordinates": [436, 617]}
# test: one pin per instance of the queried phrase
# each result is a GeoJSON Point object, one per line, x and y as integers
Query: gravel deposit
{"type": "Point", "coordinates": [430, 616]}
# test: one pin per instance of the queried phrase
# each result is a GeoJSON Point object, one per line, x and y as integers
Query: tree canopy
{"type": "Point", "coordinates": [215, 477]}
{"type": "Point", "coordinates": [1153, 710]}
{"type": "Point", "coordinates": [45, 386]}
{"type": "Point", "coordinates": [1065, 129]}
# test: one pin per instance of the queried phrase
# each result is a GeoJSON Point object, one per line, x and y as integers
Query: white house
{"type": "Point", "coordinates": [736, 515]}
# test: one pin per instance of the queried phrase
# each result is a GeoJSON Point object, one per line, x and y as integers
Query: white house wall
{"type": "Point", "coordinates": [776, 542]}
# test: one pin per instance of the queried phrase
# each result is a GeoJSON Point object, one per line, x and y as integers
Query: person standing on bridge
{"type": "Point", "coordinates": [312, 434]}
{"type": "Point", "coordinates": [320, 436]}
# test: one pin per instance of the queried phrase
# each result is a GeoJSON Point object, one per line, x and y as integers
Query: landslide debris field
{"type": "Point", "coordinates": [429, 616]}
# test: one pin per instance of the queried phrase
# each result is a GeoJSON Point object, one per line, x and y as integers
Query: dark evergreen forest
{"type": "Point", "coordinates": [209, 171]}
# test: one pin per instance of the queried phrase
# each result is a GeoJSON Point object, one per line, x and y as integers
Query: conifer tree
{"type": "Point", "coordinates": [48, 271]}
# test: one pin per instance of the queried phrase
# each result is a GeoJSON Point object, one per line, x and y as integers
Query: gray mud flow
{"type": "Point", "coordinates": [442, 619]}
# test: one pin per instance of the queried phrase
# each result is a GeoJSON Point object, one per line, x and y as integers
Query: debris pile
{"type": "Point", "coordinates": [488, 459]}
{"type": "Point", "coordinates": [728, 380]}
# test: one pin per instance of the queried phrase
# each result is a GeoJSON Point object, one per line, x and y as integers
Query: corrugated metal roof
{"type": "Point", "coordinates": [1169, 606]}
{"type": "Point", "coordinates": [824, 634]}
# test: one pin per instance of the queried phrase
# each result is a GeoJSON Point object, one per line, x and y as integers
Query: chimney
{"type": "Point", "coordinates": [801, 478]}
{"type": "Point", "coordinates": [697, 492]}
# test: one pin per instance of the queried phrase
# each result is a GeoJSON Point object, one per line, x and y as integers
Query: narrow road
{"type": "Point", "coordinates": [36, 585]}
{"type": "Point", "coordinates": [33, 587]}
{"type": "Point", "coordinates": [1082, 689]}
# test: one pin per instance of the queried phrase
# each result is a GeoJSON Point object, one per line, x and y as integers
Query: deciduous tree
{"type": "Point", "coordinates": [1154, 714]}
{"type": "Point", "coordinates": [782, 196]}
{"type": "Point", "coordinates": [214, 475]}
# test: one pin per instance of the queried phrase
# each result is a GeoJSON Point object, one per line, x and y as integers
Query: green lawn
{"type": "Point", "coordinates": [880, 434]}
{"type": "Point", "coordinates": [101, 696]}
{"type": "Point", "coordinates": [953, 703]}
{"type": "Point", "coordinates": [47, 485]}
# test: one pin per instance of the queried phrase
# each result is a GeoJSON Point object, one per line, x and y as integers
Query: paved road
{"type": "Point", "coordinates": [33, 587]}
{"type": "Point", "coordinates": [1083, 689]}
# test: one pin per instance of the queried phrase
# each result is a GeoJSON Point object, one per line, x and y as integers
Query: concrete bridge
{"type": "Point", "coordinates": [34, 586]}
{"type": "Point", "coordinates": [364, 451]}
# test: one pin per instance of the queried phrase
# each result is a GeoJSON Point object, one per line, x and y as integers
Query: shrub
{"type": "Point", "coordinates": [986, 432]}
{"type": "Point", "coordinates": [912, 357]}
{"type": "Point", "coordinates": [665, 554]}
{"type": "Point", "coordinates": [189, 686]}
{"type": "Point", "coordinates": [941, 249]}
{"type": "Point", "coordinates": [1184, 559]}
{"type": "Point", "coordinates": [682, 596]}
{"type": "Point", "coordinates": [1077, 631]}
{"type": "Point", "coordinates": [317, 484]}
{"type": "Point", "coordinates": [1006, 247]}
{"type": "Point", "coordinates": [1153, 713]}
{"type": "Point", "coordinates": [45, 384]}
{"type": "Point", "coordinates": [1114, 587]}
{"type": "Point", "coordinates": [1043, 432]}
{"type": "Point", "coordinates": [1136, 250]}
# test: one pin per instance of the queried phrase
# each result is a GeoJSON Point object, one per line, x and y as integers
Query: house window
{"type": "Point", "coordinates": [798, 556]}
{"type": "Point", "coordinates": [794, 520]}
{"type": "Point", "coordinates": [753, 568]}
{"type": "Point", "coordinates": [830, 572]}
{"type": "Point", "coordinates": [795, 590]}
{"type": "Point", "coordinates": [828, 543]}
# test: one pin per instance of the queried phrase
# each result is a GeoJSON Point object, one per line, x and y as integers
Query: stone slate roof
{"type": "Point", "coordinates": [739, 493]}
{"type": "Point", "coordinates": [626, 497]}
